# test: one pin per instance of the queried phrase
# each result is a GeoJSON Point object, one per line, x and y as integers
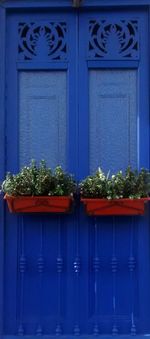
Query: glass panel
{"type": "Point", "coordinates": [113, 119]}
{"type": "Point", "coordinates": [42, 113]}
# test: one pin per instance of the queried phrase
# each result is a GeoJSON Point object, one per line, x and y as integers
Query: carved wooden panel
{"type": "Point", "coordinates": [113, 39]}
{"type": "Point", "coordinates": [42, 40]}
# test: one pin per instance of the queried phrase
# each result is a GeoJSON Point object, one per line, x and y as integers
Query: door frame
{"type": "Point", "coordinates": [5, 8]}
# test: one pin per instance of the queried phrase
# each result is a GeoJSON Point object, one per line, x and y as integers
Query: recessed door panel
{"type": "Point", "coordinates": [113, 119]}
{"type": "Point", "coordinates": [42, 117]}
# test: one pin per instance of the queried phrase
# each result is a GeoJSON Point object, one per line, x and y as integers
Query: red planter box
{"type": "Point", "coordinates": [29, 204]}
{"type": "Point", "coordinates": [114, 206]}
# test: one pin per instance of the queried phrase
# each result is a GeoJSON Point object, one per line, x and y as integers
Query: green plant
{"type": "Point", "coordinates": [131, 184]}
{"type": "Point", "coordinates": [39, 180]}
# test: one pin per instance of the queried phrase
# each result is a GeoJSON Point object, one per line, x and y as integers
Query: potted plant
{"type": "Point", "coordinates": [120, 194]}
{"type": "Point", "coordinates": [39, 189]}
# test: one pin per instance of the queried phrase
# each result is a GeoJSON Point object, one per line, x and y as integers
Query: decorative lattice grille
{"type": "Point", "coordinates": [113, 40]}
{"type": "Point", "coordinates": [42, 40]}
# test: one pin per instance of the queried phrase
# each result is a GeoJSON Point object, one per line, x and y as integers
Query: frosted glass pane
{"type": "Point", "coordinates": [42, 117]}
{"type": "Point", "coordinates": [113, 119]}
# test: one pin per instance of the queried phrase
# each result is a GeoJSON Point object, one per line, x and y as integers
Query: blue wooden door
{"type": "Point", "coordinates": [77, 95]}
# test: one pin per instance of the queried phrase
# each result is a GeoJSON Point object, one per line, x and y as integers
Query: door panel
{"type": "Point", "coordinates": [75, 97]}
{"type": "Point", "coordinates": [43, 117]}
{"type": "Point", "coordinates": [113, 119]}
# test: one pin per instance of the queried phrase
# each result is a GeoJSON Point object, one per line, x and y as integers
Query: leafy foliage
{"type": "Point", "coordinates": [129, 185]}
{"type": "Point", "coordinates": [38, 181]}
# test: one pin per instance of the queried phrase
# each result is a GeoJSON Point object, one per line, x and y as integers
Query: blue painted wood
{"type": "Point", "coordinates": [80, 337]}
{"type": "Point", "coordinates": [2, 155]}
{"type": "Point", "coordinates": [78, 275]}
{"type": "Point", "coordinates": [42, 122]}
{"type": "Point", "coordinates": [127, 316]}
{"type": "Point", "coordinates": [68, 3]}
{"type": "Point", "coordinates": [144, 160]}
{"type": "Point", "coordinates": [72, 108]}
{"type": "Point", "coordinates": [114, 268]}
{"type": "Point", "coordinates": [2, 92]}
{"type": "Point", "coordinates": [40, 268]}
{"type": "Point", "coordinates": [22, 267]}
{"type": "Point", "coordinates": [60, 268]}
{"type": "Point", "coordinates": [30, 301]}
{"type": "Point", "coordinates": [113, 120]}
{"type": "Point", "coordinates": [42, 66]}
{"type": "Point", "coordinates": [132, 269]}
{"type": "Point", "coordinates": [83, 104]}
{"type": "Point", "coordinates": [11, 163]}
{"type": "Point", "coordinates": [113, 38]}
{"type": "Point", "coordinates": [96, 268]}
{"type": "Point", "coordinates": [42, 41]}
{"type": "Point", "coordinates": [113, 64]}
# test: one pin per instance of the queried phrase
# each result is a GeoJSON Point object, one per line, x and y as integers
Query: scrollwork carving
{"type": "Point", "coordinates": [42, 40]}
{"type": "Point", "coordinates": [113, 40]}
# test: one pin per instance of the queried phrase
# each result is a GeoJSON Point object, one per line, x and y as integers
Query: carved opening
{"type": "Point", "coordinates": [42, 40]}
{"type": "Point", "coordinates": [113, 40]}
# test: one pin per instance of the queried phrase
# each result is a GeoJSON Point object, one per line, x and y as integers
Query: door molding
{"type": "Point", "coordinates": [79, 337]}
{"type": "Point", "coordinates": [68, 3]}
{"type": "Point", "coordinates": [2, 154]}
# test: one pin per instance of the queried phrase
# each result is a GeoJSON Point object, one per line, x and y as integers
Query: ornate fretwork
{"type": "Point", "coordinates": [115, 40]}
{"type": "Point", "coordinates": [42, 41]}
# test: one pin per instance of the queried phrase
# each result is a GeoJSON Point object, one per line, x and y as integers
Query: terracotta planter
{"type": "Point", "coordinates": [36, 204]}
{"type": "Point", "coordinates": [114, 207]}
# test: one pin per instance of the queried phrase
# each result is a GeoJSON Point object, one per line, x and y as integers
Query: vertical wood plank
{"type": "Point", "coordinates": [40, 267]}
{"type": "Point", "coordinates": [22, 270]}
{"type": "Point", "coordinates": [2, 154]}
